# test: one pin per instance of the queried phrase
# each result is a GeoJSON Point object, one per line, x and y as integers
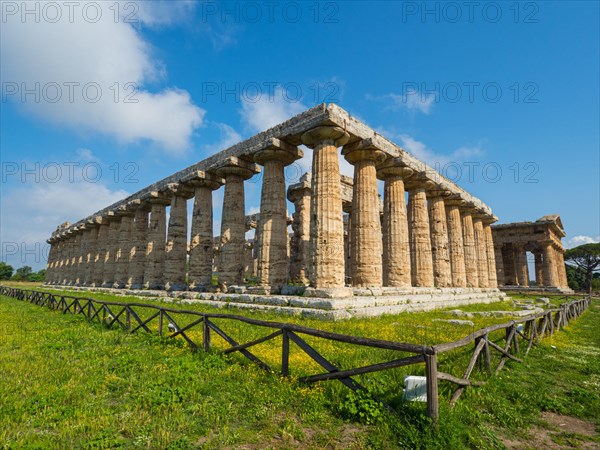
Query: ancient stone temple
{"type": "Point", "coordinates": [345, 251]}
{"type": "Point", "coordinates": [540, 239]}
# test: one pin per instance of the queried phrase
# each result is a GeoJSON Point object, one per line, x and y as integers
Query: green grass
{"type": "Point", "coordinates": [68, 383]}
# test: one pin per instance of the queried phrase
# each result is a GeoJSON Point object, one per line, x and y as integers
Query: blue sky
{"type": "Point", "coordinates": [100, 101]}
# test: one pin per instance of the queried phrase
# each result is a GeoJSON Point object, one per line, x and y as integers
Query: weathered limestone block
{"type": "Point", "coordinates": [471, 261]}
{"type": "Point", "coordinates": [327, 224]}
{"type": "Point", "coordinates": [50, 264]}
{"type": "Point", "coordinates": [123, 249]}
{"type": "Point", "coordinates": [155, 247]}
{"type": "Point", "coordinates": [455, 243]}
{"type": "Point", "coordinates": [233, 221]}
{"type": "Point", "coordinates": [299, 194]}
{"type": "Point", "coordinates": [522, 268]}
{"type": "Point", "coordinates": [66, 260]}
{"type": "Point", "coordinates": [560, 268]}
{"type": "Point", "coordinates": [137, 254]}
{"type": "Point", "coordinates": [80, 251]}
{"type": "Point", "coordinates": [75, 258]}
{"type": "Point", "coordinates": [365, 243]}
{"type": "Point", "coordinates": [420, 238]}
{"type": "Point", "coordinates": [272, 236]}
{"type": "Point", "coordinates": [201, 240]}
{"type": "Point", "coordinates": [442, 272]}
{"type": "Point", "coordinates": [491, 255]}
{"type": "Point", "coordinates": [108, 276]}
{"type": "Point", "coordinates": [101, 249]}
{"type": "Point", "coordinates": [176, 246]}
{"type": "Point", "coordinates": [510, 267]}
{"type": "Point", "coordinates": [480, 247]}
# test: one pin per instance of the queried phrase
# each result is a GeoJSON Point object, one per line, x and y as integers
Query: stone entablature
{"type": "Point", "coordinates": [441, 238]}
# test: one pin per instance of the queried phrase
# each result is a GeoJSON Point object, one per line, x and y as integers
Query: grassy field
{"type": "Point", "coordinates": [71, 384]}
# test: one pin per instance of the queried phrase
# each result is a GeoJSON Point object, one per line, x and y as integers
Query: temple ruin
{"type": "Point", "coordinates": [542, 239]}
{"type": "Point", "coordinates": [349, 251]}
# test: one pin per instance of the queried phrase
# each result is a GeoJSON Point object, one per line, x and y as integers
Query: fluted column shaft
{"type": "Point", "coordinates": [137, 255]}
{"type": "Point", "coordinates": [365, 243]}
{"type": "Point", "coordinates": [272, 236]}
{"type": "Point", "coordinates": [80, 257]}
{"type": "Point", "coordinates": [155, 247]}
{"type": "Point", "coordinates": [442, 272]}
{"type": "Point", "coordinates": [491, 256]}
{"type": "Point", "coordinates": [480, 247]}
{"type": "Point", "coordinates": [75, 259]}
{"type": "Point", "coordinates": [101, 248]}
{"type": "Point", "coordinates": [500, 270]}
{"type": "Point", "coordinates": [522, 269]}
{"type": "Point", "coordinates": [420, 239]}
{"type": "Point", "coordinates": [123, 251]}
{"type": "Point", "coordinates": [92, 247]}
{"type": "Point", "coordinates": [471, 260]}
{"type": "Point", "coordinates": [560, 268]}
{"type": "Point", "coordinates": [300, 256]}
{"type": "Point", "coordinates": [176, 247]}
{"type": "Point", "coordinates": [233, 232]}
{"type": "Point", "coordinates": [110, 267]}
{"type": "Point", "coordinates": [539, 269]}
{"type": "Point", "coordinates": [201, 242]}
{"type": "Point", "coordinates": [456, 246]}
{"type": "Point", "coordinates": [327, 223]}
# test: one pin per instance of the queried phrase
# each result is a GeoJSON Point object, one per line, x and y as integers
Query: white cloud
{"type": "Point", "coordinates": [268, 111]}
{"type": "Point", "coordinates": [31, 213]}
{"type": "Point", "coordinates": [412, 100]}
{"type": "Point", "coordinates": [580, 240]}
{"type": "Point", "coordinates": [424, 153]}
{"type": "Point", "coordinates": [91, 76]}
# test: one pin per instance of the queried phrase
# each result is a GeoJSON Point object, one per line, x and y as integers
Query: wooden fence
{"type": "Point", "coordinates": [129, 317]}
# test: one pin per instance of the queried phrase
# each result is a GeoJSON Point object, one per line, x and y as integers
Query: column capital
{"type": "Point", "coordinates": [200, 178]}
{"type": "Point", "coordinates": [179, 190]}
{"type": "Point", "coordinates": [298, 190]}
{"type": "Point", "coordinates": [435, 190]}
{"type": "Point", "coordinates": [393, 167]}
{"type": "Point", "coordinates": [156, 198]}
{"type": "Point", "coordinates": [276, 149]}
{"type": "Point", "coordinates": [488, 220]}
{"type": "Point", "coordinates": [236, 166]}
{"type": "Point", "coordinates": [419, 182]}
{"type": "Point", "coordinates": [363, 150]}
{"type": "Point", "coordinates": [325, 134]}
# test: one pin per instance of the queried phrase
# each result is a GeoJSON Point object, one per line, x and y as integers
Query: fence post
{"type": "Point", "coordinates": [285, 354]}
{"type": "Point", "coordinates": [205, 335]}
{"type": "Point", "coordinates": [433, 410]}
{"type": "Point", "coordinates": [160, 322]}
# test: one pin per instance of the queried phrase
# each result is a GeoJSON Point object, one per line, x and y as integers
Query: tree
{"type": "Point", "coordinates": [6, 271]}
{"type": "Point", "coordinates": [38, 276]}
{"type": "Point", "coordinates": [22, 273]}
{"type": "Point", "coordinates": [587, 258]}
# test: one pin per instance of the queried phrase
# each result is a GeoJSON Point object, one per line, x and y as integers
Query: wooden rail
{"type": "Point", "coordinates": [164, 321]}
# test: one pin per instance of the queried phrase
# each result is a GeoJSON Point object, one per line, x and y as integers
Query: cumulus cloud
{"type": "Point", "coordinates": [580, 240]}
{"type": "Point", "coordinates": [269, 110]}
{"type": "Point", "coordinates": [91, 74]}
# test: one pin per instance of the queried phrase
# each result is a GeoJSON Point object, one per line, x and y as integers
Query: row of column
{"type": "Point", "coordinates": [435, 241]}
{"type": "Point", "coordinates": [550, 270]}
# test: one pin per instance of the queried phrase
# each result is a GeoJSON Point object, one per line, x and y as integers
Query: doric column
{"type": "Point", "coordinates": [233, 221]}
{"type": "Point", "coordinates": [539, 269]}
{"type": "Point", "coordinates": [101, 250]}
{"type": "Point", "coordinates": [108, 275]}
{"type": "Point", "coordinates": [510, 266]}
{"type": "Point", "coordinates": [176, 246]}
{"type": "Point", "coordinates": [471, 260]}
{"type": "Point", "coordinates": [80, 255]}
{"type": "Point", "coordinates": [419, 234]}
{"type": "Point", "coordinates": [560, 268]}
{"type": "Point", "coordinates": [92, 248]}
{"type": "Point", "coordinates": [365, 243]}
{"type": "Point", "coordinates": [123, 249]}
{"type": "Point", "coordinates": [442, 272]}
{"type": "Point", "coordinates": [455, 241]}
{"type": "Point", "coordinates": [62, 266]}
{"type": "Point", "coordinates": [76, 258]}
{"type": "Point", "coordinates": [490, 252]}
{"type": "Point", "coordinates": [201, 239]}
{"type": "Point", "coordinates": [500, 271]}
{"type": "Point", "coordinates": [66, 259]}
{"type": "Point", "coordinates": [521, 262]}
{"type": "Point", "coordinates": [481, 251]}
{"type": "Point", "coordinates": [52, 276]}
{"type": "Point", "coordinates": [299, 194]}
{"type": "Point", "coordinates": [272, 236]}
{"type": "Point", "coordinates": [327, 223]}
{"type": "Point", "coordinates": [137, 254]}
{"type": "Point", "coordinates": [155, 247]}
{"type": "Point", "coordinates": [51, 259]}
